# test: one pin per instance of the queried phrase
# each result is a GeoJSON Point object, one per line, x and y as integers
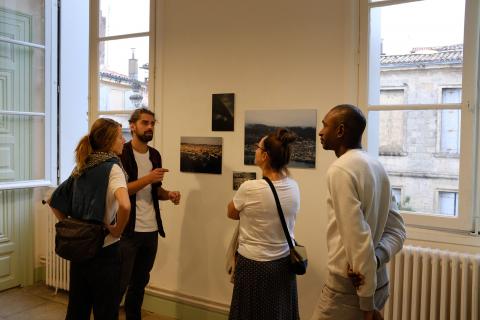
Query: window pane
{"type": "Point", "coordinates": [22, 74]}
{"type": "Point", "coordinates": [123, 74]}
{"type": "Point", "coordinates": [448, 203]}
{"type": "Point", "coordinates": [420, 48]}
{"type": "Point", "coordinates": [397, 195]}
{"type": "Point", "coordinates": [123, 120]}
{"type": "Point", "coordinates": [23, 20]}
{"type": "Point", "coordinates": [420, 168]}
{"type": "Point", "coordinates": [22, 148]}
{"type": "Point", "coordinates": [123, 17]}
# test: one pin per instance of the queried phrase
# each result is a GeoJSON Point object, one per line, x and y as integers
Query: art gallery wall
{"type": "Point", "coordinates": [273, 54]}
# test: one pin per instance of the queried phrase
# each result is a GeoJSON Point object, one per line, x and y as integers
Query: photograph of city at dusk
{"type": "Point", "coordinates": [201, 154]}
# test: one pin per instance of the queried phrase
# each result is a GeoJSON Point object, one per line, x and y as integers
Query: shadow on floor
{"type": "Point", "coordinates": [39, 302]}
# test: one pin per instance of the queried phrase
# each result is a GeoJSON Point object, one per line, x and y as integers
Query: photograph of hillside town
{"type": "Point", "coordinates": [259, 123]}
{"type": "Point", "coordinates": [201, 154]}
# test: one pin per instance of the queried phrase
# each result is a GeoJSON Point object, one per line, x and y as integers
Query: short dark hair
{"type": "Point", "coordinates": [354, 120]}
{"type": "Point", "coordinates": [138, 112]}
{"type": "Point", "coordinates": [278, 146]}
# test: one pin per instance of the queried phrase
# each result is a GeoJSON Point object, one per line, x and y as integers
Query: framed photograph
{"type": "Point", "coordinates": [241, 177]}
{"type": "Point", "coordinates": [201, 154]}
{"type": "Point", "coordinates": [258, 123]}
{"type": "Point", "coordinates": [223, 107]}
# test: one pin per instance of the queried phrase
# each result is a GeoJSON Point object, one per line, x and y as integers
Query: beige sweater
{"type": "Point", "coordinates": [358, 205]}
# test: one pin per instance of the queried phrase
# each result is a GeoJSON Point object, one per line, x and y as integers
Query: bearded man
{"type": "Point", "coordinates": [139, 241]}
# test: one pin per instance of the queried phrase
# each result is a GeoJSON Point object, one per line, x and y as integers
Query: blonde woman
{"type": "Point", "coordinates": [96, 191]}
{"type": "Point", "coordinates": [264, 286]}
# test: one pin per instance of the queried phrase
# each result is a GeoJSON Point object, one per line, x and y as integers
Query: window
{"type": "Point", "coordinates": [121, 59]}
{"type": "Point", "coordinates": [418, 88]}
{"type": "Point", "coordinates": [397, 196]}
{"type": "Point", "coordinates": [450, 123]}
{"type": "Point", "coordinates": [27, 94]}
{"type": "Point", "coordinates": [448, 203]}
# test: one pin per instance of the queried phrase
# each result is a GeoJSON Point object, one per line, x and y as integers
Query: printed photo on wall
{"type": "Point", "coordinates": [223, 107]}
{"type": "Point", "coordinates": [201, 154]}
{"type": "Point", "coordinates": [259, 123]}
{"type": "Point", "coordinates": [241, 177]}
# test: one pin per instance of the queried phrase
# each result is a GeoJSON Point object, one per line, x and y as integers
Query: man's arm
{"type": "Point", "coordinates": [155, 176]}
{"type": "Point", "coordinates": [355, 233]}
{"type": "Point", "coordinates": [392, 238]}
{"type": "Point", "coordinates": [173, 196]}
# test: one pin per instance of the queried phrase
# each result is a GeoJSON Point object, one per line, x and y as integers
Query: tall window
{"type": "Point", "coordinates": [410, 51]}
{"type": "Point", "coordinates": [27, 99]}
{"type": "Point", "coordinates": [121, 60]}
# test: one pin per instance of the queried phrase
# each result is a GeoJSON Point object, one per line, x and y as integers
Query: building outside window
{"type": "Point", "coordinates": [417, 93]}
{"type": "Point", "coordinates": [121, 58]}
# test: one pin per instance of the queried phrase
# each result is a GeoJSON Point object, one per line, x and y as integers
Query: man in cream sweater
{"type": "Point", "coordinates": [364, 228]}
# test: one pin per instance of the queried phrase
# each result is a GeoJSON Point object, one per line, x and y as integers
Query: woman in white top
{"type": "Point", "coordinates": [264, 286]}
{"type": "Point", "coordinates": [96, 191]}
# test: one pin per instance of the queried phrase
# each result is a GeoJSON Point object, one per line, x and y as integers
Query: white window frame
{"type": "Point", "coordinates": [469, 204]}
{"type": "Point", "coordinates": [95, 39]}
{"type": "Point", "coordinates": [50, 113]}
{"type": "Point", "coordinates": [401, 192]}
{"type": "Point", "coordinates": [439, 152]}
{"type": "Point", "coordinates": [437, 197]}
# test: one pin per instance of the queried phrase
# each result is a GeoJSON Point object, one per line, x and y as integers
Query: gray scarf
{"type": "Point", "coordinates": [94, 159]}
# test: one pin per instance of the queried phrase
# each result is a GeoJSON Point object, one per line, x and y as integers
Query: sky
{"type": "Point", "coordinates": [124, 17]}
{"type": "Point", "coordinates": [421, 24]}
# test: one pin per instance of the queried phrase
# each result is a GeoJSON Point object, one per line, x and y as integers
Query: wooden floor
{"type": "Point", "coordinates": [40, 302]}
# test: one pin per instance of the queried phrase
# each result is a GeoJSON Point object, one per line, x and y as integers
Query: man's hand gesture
{"type": "Point", "coordinates": [156, 175]}
{"type": "Point", "coordinates": [174, 196]}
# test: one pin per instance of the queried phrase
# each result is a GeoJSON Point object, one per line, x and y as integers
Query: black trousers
{"type": "Point", "coordinates": [95, 284]}
{"type": "Point", "coordinates": [138, 255]}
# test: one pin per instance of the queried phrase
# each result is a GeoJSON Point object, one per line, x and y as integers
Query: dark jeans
{"type": "Point", "coordinates": [138, 255]}
{"type": "Point", "coordinates": [95, 283]}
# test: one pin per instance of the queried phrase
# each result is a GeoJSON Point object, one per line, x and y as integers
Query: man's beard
{"type": "Point", "coordinates": [146, 136]}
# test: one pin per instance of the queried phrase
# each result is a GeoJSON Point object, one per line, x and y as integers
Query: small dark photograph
{"type": "Point", "coordinates": [201, 154]}
{"type": "Point", "coordinates": [223, 106]}
{"type": "Point", "coordinates": [241, 177]}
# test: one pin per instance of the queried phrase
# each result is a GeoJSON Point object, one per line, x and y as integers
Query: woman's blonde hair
{"type": "Point", "coordinates": [101, 137]}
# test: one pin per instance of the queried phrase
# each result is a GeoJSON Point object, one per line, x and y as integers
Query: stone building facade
{"type": "Point", "coordinates": [420, 148]}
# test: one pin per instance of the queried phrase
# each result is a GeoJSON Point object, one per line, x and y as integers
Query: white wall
{"type": "Point", "coordinates": [273, 54]}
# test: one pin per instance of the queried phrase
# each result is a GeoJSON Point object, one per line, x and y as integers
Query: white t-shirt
{"type": "Point", "coordinates": [146, 221]}
{"type": "Point", "coordinates": [116, 180]}
{"type": "Point", "coordinates": [261, 236]}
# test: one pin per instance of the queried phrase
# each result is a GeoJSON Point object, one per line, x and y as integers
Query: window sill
{"type": "Point", "coordinates": [24, 184]}
{"type": "Point", "coordinates": [446, 155]}
{"type": "Point", "coordinates": [456, 237]}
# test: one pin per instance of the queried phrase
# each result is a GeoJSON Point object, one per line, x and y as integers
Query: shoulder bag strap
{"type": "Point", "coordinates": [280, 213]}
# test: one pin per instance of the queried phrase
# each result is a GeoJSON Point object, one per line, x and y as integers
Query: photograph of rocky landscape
{"type": "Point", "coordinates": [259, 123]}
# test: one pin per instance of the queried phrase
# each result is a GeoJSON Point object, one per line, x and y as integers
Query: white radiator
{"type": "Point", "coordinates": [58, 269]}
{"type": "Point", "coordinates": [433, 284]}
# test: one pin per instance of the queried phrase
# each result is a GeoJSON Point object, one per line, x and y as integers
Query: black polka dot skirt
{"type": "Point", "coordinates": [264, 291]}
